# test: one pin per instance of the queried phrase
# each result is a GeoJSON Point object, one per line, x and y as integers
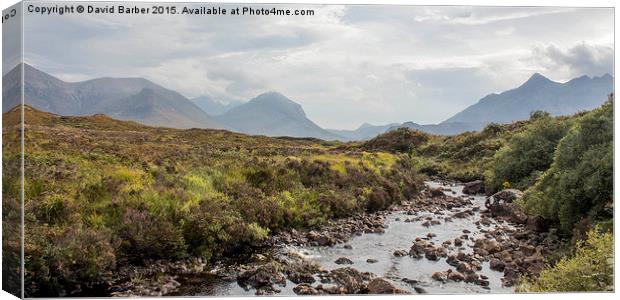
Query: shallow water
{"type": "Point", "coordinates": [398, 235]}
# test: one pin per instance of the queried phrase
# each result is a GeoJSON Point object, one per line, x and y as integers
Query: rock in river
{"type": "Point", "coordinates": [474, 187]}
{"type": "Point", "coordinates": [305, 289]}
{"type": "Point", "coordinates": [343, 261]}
{"type": "Point", "coordinates": [497, 265]}
{"type": "Point", "coordinates": [382, 286]}
{"type": "Point", "coordinates": [351, 280]}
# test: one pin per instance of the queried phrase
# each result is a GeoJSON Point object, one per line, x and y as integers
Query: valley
{"type": "Point", "coordinates": [162, 211]}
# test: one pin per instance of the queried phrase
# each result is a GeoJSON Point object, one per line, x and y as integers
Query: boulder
{"type": "Point", "coordinates": [503, 196]}
{"type": "Point", "coordinates": [474, 187]}
{"type": "Point", "coordinates": [440, 276]}
{"type": "Point", "coordinates": [497, 265]}
{"type": "Point", "coordinates": [382, 286]}
{"type": "Point", "coordinates": [471, 277]}
{"type": "Point", "coordinates": [432, 255]}
{"type": "Point", "coordinates": [509, 212]}
{"type": "Point", "coordinates": [489, 246]}
{"type": "Point", "coordinates": [301, 276]}
{"type": "Point", "coordinates": [305, 289]}
{"type": "Point", "coordinates": [320, 239]}
{"type": "Point", "coordinates": [452, 260]}
{"type": "Point", "coordinates": [262, 276]}
{"type": "Point", "coordinates": [456, 276]}
{"type": "Point", "coordinates": [464, 267]}
{"type": "Point", "coordinates": [417, 249]}
{"type": "Point", "coordinates": [343, 261]}
{"type": "Point", "coordinates": [350, 280]}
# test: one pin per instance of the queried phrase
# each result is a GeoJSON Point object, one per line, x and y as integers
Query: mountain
{"type": "Point", "coordinates": [272, 114]}
{"type": "Point", "coordinates": [134, 99]}
{"type": "Point", "coordinates": [538, 93]}
{"type": "Point", "coordinates": [215, 107]}
{"type": "Point", "coordinates": [364, 132]}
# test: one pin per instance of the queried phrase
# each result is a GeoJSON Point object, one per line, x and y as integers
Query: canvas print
{"type": "Point", "coordinates": [211, 149]}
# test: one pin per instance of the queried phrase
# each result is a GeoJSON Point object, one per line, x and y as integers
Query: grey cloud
{"type": "Point", "coordinates": [346, 65]}
{"type": "Point", "coordinates": [580, 59]}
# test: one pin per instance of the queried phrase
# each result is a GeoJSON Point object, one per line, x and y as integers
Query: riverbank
{"type": "Point", "coordinates": [443, 241]}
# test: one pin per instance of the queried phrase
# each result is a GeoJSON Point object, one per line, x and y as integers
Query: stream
{"type": "Point", "coordinates": [402, 228]}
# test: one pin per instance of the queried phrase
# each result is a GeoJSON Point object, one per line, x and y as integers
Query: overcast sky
{"type": "Point", "coordinates": [345, 65]}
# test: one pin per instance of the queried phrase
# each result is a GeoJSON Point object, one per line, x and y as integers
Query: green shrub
{"type": "Point", "coordinates": [527, 154]}
{"type": "Point", "coordinates": [579, 182]}
{"type": "Point", "coordinates": [589, 269]}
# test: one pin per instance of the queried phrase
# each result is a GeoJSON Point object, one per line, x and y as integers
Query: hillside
{"type": "Point", "coordinates": [125, 193]}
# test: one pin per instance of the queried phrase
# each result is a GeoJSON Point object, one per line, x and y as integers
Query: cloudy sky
{"type": "Point", "coordinates": [345, 65]}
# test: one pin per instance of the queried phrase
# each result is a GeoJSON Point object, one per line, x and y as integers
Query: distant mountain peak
{"type": "Point", "coordinates": [273, 114]}
{"type": "Point", "coordinates": [274, 101]}
{"type": "Point", "coordinates": [537, 80]}
{"type": "Point", "coordinates": [273, 98]}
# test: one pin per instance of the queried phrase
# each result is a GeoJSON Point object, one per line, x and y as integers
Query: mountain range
{"type": "Point", "coordinates": [272, 113]}
{"type": "Point", "coordinates": [537, 93]}
{"type": "Point", "coordinates": [134, 99]}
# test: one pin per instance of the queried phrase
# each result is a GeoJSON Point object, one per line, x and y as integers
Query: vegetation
{"type": "Point", "coordinates": [462, 157]}
{"type": "Point", "coordinates": [589, 269]}
{"type": "Point", "coordinates": [101, 193]}
{"type": "Point", "coordinates": [579, 182]}
{"type": "Point", "coordinates": [527, 153]}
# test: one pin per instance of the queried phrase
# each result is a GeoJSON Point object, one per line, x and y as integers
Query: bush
{"type": "Point", "coordinates": [579, 182]}
{"type": "Point", "coordinates": [527, 154]}
{"type": "Point", "coordinates": [401, 140]}
{"type": "Point", "coordinates": [589, 269]}
{"type": "Point", "coordinates": [144, 235]}
{"type": "Point", "coordinates": [66, 258]}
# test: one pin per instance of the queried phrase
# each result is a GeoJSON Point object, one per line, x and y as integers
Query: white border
{"type": "Point", "coordinates": [570, 3]}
